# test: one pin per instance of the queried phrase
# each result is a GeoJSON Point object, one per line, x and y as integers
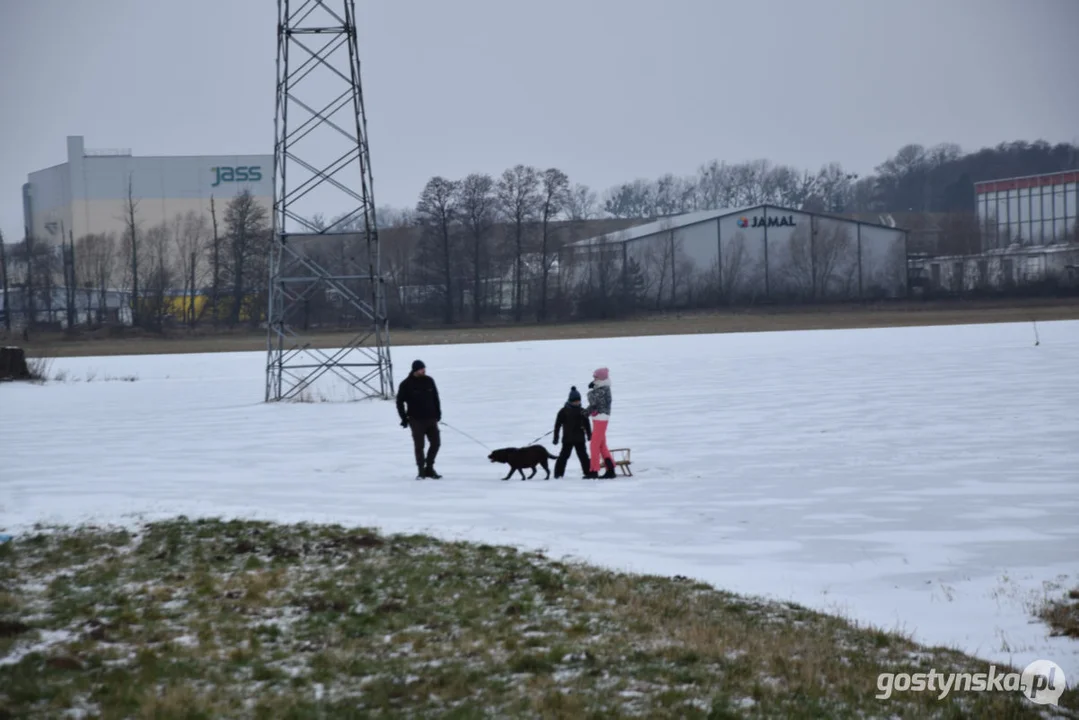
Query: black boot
{"type": "Point", "coordinates": [610, 469]}
{"type": "Point", "coordinates": [429, 472]}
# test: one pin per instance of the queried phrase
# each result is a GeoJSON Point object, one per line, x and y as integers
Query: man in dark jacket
{"type": "Point", "coordinates": [572, 422]}
{"type": "Point", "coordinates": [419, 408]}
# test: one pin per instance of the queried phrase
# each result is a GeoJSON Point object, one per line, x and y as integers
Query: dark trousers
{"type": "Point", "coordinates": [425, 429]}
{"type": "Point", "coordinates": [563, 457]}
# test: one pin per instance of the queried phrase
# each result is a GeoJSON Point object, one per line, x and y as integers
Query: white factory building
{"type": "Point", "coordinates": [88, 192]}
{"type": "Point", "coordinates": [745, 254]}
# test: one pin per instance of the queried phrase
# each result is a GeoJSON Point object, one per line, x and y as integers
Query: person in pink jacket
{"type": "Point", "coordinates": [599, 409]}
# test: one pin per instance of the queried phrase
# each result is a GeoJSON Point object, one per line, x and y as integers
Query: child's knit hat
{"type": "Point", "coordinates": [574, 396]}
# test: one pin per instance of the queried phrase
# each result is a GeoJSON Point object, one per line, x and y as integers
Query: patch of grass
{"type": "Point", "coordinates": [91, 376]}
{"type": "Point", "coordinates": [213, 618]}
{"type": "Point", "coordinates": [1062, 614]}
{"type": "Point", "coordinates": [39, 367]}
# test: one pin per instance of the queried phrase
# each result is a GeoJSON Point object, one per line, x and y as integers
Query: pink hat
{"type": "Point", "coordinates": [600, 374]}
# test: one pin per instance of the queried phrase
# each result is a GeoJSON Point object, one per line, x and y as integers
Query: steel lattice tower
{"type": "Point", "coordinates": [323, 275]}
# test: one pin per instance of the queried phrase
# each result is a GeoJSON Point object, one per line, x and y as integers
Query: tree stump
{"type": "Point", "coordinates": [13, 364]}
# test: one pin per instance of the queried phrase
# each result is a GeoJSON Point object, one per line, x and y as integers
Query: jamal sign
{"type": "Point", "coordinates": [781, 221]}
{"type": "Point", "coordinates": [241, 173]}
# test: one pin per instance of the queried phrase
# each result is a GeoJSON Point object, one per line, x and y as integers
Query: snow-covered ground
{"type": "Point", "coordinates": [922, 479]}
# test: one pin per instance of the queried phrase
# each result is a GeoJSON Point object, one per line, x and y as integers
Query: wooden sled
{"type": "Point", "coordinates": [622, 461]}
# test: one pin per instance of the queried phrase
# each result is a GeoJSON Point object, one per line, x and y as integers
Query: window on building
{"type": "Point", "coordinates": [957, 275]}
{"type": "Point", "coordinates": [983, 273]}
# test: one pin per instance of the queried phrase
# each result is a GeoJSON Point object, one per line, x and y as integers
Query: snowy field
{"type": "Point", "coordinates": [922, 479]}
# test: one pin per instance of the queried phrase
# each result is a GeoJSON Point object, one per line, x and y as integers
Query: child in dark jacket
{"type": "Point", "coordinates": [572, 421]}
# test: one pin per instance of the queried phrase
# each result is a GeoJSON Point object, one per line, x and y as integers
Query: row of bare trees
{"type": "Point", "coordinates": [507, 232]}
{"type": "Point", "coordinates": [468, 235]}
{"type": "Point", "coordinates": [222, 255]}
{"type": "Point", "coordinates": [936, 179]}
{"type": "Point", "coordinates": [718, 184]}
{"type": "Point", "coordinates": [474, 229]}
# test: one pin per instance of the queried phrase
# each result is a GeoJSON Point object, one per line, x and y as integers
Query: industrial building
{"type": "Point", "coordinates": [1031, 210]}
{"type": "Point", "coordinates": [88, 193]}
{"type": "Point", "coordinates": [746, 254]}
{"type": "Point", "coordinates": [1027, 235]}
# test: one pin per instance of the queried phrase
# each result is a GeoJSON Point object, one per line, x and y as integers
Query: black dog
{"type": "Point", "coordinates": [520, 458]}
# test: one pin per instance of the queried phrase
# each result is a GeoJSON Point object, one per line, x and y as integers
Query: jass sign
{"type": "Point", "coordinates": [771, 221]}
{"type": "Point", "coordinates": [240, 173]}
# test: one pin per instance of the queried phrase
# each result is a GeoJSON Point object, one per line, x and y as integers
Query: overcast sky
{"type": "Point", "coordinates": [607, 90]}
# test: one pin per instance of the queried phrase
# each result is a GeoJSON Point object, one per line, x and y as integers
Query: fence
{"type": "Point", "coordinates": [91, 307]}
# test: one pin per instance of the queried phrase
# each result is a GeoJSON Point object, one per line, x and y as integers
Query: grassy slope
{"type": "Point", "coordinates": [753, 320]}
{"type": "Point", "coordinates": [244, 619]}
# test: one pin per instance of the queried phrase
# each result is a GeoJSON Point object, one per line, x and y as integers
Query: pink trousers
{"type": "Point", "coordinates": [599, 444]}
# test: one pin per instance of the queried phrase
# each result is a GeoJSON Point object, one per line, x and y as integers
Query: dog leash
{"type": "Point", "coordinates": [541, 437]}
{"type": "Point", "coordinates": [462, 432]}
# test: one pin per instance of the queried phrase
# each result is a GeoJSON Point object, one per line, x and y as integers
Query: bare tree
{"type": "Point", "coordinates": [190, 236]}
{"type": "Point", "coordinates": [659, 257]}
{"type": "Point", "coordinates": [157, 282]}
{"type": "Point", "coordinates": [555, 192]}
{"type": "Point", "coordinates": [67, 248]}
{"type": "Point", "coordinates": [636, 199]}
{"type": "Point", "coordinates": [3, 277]}
{"type": "Point", "coordinates": [246, 230]}
{"type": "Point", "coordinates": [28, 282]}
{"type": "Point", "coordinates": [673, 195]}
{"type": "Point", "coordinates": [437, 212]}
{"type": "Point", "coordinates": [518, 196]}
{"type": "Point", "coordinates": [46, 261]}
{"type": "Point", "coordinates": [601, 289]}
{"type": "Point", "coordinates": [715, 186]}
{"type": "Point", "coordinates": [132, 241]}
{"type": "Point", "coordinates": [32, 265]}
{"type": "Point", "coordinates": [816, 260]}
{"type": "Point", "coordinates": [96, 259]}
{"type": "Point", "coordinates": [581, 203]}
{"type": "Point", "coordinates": [215, 265]}
{"type": "Point", "coordinates": [732, 266]}
{"type": "Point", "coordinates": [684, 275]}
{"type": "Point", "coordinates": [477, 207]}
{"type": "Point", "coordinates": [398, 250]}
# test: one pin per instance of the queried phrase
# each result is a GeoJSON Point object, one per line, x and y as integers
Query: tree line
{"type": "Point", "coordinates": [491, 245]}
{"type": "Point", "coordinates": [221, 257]}
{"type": "Point", "coordinates": [498, 229]}
{"type": "Point", "coordinates": [938, 179]}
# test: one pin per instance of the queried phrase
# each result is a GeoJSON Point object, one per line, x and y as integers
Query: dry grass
{"type": "Point", "coordinates": [1062, 614]}
{"type": "Point", "coordinates": [40, 367]}
{"type": "Point", "coordinates": [751, 320]}
{"type": "Point", "coordinates": [244, 619]}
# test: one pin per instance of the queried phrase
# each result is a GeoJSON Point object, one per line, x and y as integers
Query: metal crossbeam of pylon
{"type": "Point", "coordinates": [325, 276]}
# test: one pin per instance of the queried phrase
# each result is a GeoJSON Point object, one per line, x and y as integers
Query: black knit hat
{"type": "Point", "coordinates": [574, 396]}
{"type": "Point", "coordinates": [417, 365]}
